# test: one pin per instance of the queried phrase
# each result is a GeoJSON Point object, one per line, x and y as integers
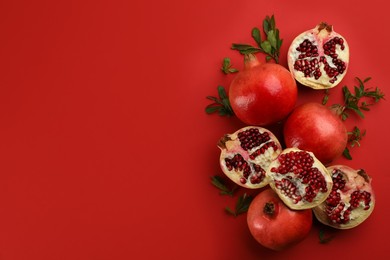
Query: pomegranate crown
{"type": "Point", "coordinates": [324, 25]}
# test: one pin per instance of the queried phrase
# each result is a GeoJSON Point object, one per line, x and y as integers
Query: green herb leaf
{"type": "Point", "coordinates": [266, 25]}
{"type": "Point", "coordinates": [219, 183]}
{"type": "Point", "coordinates": [279, 41]}
{"type": "Point", "coordinates": [272, 39]}
{"type": "Point", "coordinates": [346, 154]}
{"type": "Point", "coordinates": [245, 48]}
{"type": "Point", "coordinates": [355, 136]}
{"type": "Point", "coordinates": [256, 35]}
{"type": "Point", "coordinates": [242, 205]}
{"type": "Point", "coordinates": [230, 211]}
{"type": "Point", "coordinates": [220, 105]}
{"type": "Point", "coordinates": [227, 67]}
{"type": "Point", "coordinates": [354, 101]}
{"type": "Point", "coordinates": [326, 97]}
{"type": "Point", "coordinates": [270, 46]}
{"type": "Point", "coordinates": [323, 238]}
{"type": "Point", "coordinates": [366, 79]}
{"type": "Point", "coordinates": [266, 46]}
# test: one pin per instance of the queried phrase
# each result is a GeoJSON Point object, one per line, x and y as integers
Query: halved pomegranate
{"type": "Point", "coordinates": [246, 155]}
{"type": "Point", "coordinates": [299, 179]}
{"type": "Point", "coordinates": [318, 58]}
{"type": "Point", "coordinates": [351, 200]}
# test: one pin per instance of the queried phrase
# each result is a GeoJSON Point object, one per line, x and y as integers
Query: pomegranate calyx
{"type": "Point", "coordinates": [269, 209]}
{"type": "Point", "coordinates": [365, 176]}
{"type": "Point", "coordinates": [250, 61]}
{"type": "Point", "coordinates": [324, 25]}
{"type": "Point", "coordinates": [337, 109]}
{"type": "Point", "coordinates": [222, 141]}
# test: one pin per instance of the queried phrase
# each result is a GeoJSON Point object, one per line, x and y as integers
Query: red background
{"type": "Point", "coordinates": [106, 151]}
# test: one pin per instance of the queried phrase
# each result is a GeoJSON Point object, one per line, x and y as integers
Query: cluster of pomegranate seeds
{"type": "Point", "coordinates": [337, 210]}
{"type": "Point", "coordinates": [358, 196]}
{"type": "Point", "coordinates": [263, 149]}
{"type": "Point", "coordinates": [299, 165]}
{"type": "Point", "coordinates": [334, 197]}
{"type": "Point", "coordinates": [289, 189]}
{"type": "Point", "coordinates": [309, 64]}
{"type": "Point", "coordinates": [238, 163]}
{"type": "Point", "coordinates": [252, 137]}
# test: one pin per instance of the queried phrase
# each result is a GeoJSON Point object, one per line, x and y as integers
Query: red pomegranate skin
{"type": "Point", "coordinates": [263, 93]}
{"type": "Point", "coordinates": [281, 230]}
{"type": "Point", "coordinates": [314, 127]}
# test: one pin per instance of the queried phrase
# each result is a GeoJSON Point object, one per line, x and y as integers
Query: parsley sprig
{"type": "Point", "coordinates": [270, 45]}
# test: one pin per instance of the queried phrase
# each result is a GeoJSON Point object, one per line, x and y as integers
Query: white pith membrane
{"type": "Point", "coordinates": [318, 36]}
{"type": "Point", "coordinates": [353, 182]}
{"type": "Point", "coordinates": [295, 198]}
{"type": "Point", "coordinates": [230, 146]}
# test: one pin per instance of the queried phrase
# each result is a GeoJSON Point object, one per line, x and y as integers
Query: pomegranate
{"type": "Point", "coordinates": [319, 57]}
{"type": "Point", "coordinates": [314, 127]}
{"type": "Point", "coordinates": [262, 93]}
{"type": "Point", "coordinates": [246, 154]}
{"type": "Point", "coordinates": [274, 225]}
{"type": "Point", "coordinates": [351, 200]}
{"type": "Point", "coordinates": [299, 179]}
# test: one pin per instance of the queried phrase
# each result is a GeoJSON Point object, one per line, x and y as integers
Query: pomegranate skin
{"type": "Point", "coordinates": [280, 230]}
{"type": "Point", "coordinates": [314, 127]}
{"type": "Point", "coordinates": [262, 93]}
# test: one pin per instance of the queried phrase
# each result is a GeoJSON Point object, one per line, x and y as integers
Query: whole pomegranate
{"type": "Point", "coordinates": [351, 200]}
{"type": "Point", "coordinates": [314, 127]}
{"type": "Point", "coordinates": [274, 225]}
{"type": "Point", "coordinates": [246, 155]}
{"type": "Point", "coordinates": [262, 93]}
{"type": "Point", "coordinates": [319, 57]}
{"type": "Point", "coordinates": [299, 179]}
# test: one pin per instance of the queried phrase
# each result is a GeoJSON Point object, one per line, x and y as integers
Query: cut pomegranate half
{"type": "Point", "coordinates": [351, 200]}
{"type": "Point", "coordinates": [319, 58]}
{"type": "Point", "coordinates": [299, 179]}
{"type": "Point", "coordinates": [246, 155]}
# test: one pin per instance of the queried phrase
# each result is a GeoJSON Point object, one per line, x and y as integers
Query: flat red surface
{"type": "Point", "coordinates": [106, 151]}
